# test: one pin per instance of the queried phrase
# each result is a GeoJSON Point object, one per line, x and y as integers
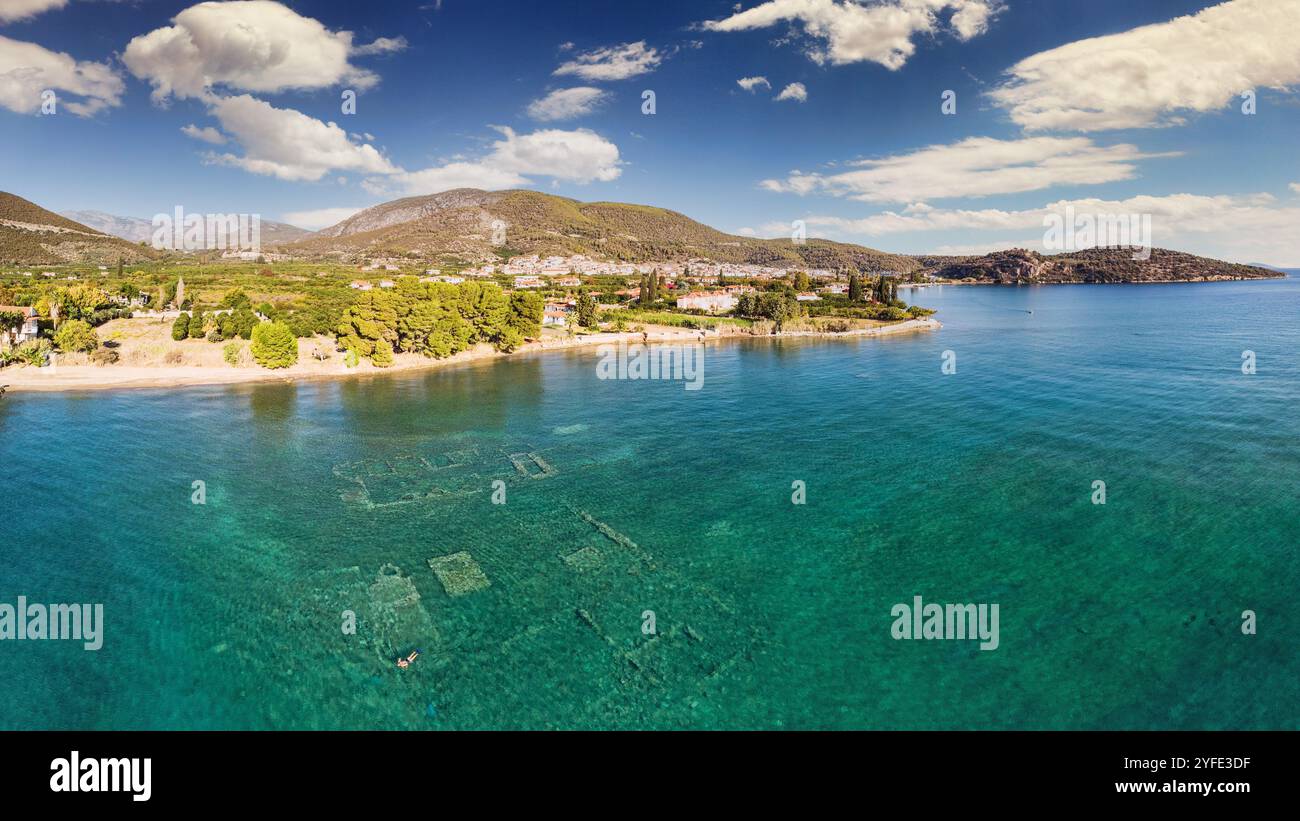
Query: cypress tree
{"type": "Point", "coordinates": [855, 287]}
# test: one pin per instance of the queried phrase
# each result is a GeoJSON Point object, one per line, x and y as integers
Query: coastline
{"type": "Point", "coordinates": [994, 282]}
{"type": "Point", "coordinates": [111, 377]}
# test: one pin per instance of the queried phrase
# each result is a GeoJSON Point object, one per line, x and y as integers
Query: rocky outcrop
{"type": "Point", "coordinates": [1097, 265]}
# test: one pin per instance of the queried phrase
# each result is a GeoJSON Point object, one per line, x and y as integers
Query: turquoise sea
{"type": "Point", "coordinates": [627, 497]}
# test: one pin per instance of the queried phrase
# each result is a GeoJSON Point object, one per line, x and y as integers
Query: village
{"type": "Point", "coordinates": [694, 286]}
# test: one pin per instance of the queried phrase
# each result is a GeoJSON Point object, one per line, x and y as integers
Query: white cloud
{"type": "Point", "coordinates": [444, 178]}
{"type": "Point", "coordinates": [319, 218]}
{"type": "Point", "coordinates": [1295, 186]}
{"type": "Point", "coordinates": [847, 31]}
{"type": "Point", "coordinates": [794, 91]}
{"type": "Point", "coordinates": [746, 232]}
{"type": "Point", "coordinates": [579, 156]}
{"type": "Point", "coordinates": [751, 83]}
{"type": "Point", "coordinates": [1247, 227]}
{"type": "Point", "coordinates": [974, 167]}
{"type": "Point", "coordinates": [248, 45]}
{"type": "Point", "coordinates": [1154, 75]}
{"type": "Point", "coordinates": [976, 249]}
{"type": "Point", "coordinates": [567, 103]}
{"type": "Point", "coordinates": [27, 70]}
{"type": "Point", "coordinates": [207, 134]}
{"type": "Point", "coordinates": [613, 62]}
{"type": "Point", "coordinates": [382, 45]}
{"type": "Point", "coordinates": [11, 10]}
{"type": "Point", "coordinates": [290, 145]}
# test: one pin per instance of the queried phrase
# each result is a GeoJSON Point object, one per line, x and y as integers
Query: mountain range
{"type": "Point", "coordinates": [31, 235]}
{"type": "Point", "coordinates": [135, 229]}
{"type": "Point", "coordinates": [468, 225]}
{"type": "Point", "coordinates": [471, 225]}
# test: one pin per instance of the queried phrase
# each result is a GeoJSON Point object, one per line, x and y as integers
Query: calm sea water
{"type": "Point", "coordinates": [636, 496]}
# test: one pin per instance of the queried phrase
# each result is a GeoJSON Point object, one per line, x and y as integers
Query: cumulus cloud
{"type": "Point", "coordinates": [613, 62]}
{"type": "Point", "coordinates": [974, 167]}
{"type": "Point", "coordinates": [11, 10]}
{"type": "Point", "coordinates": [567, 103]}
{"type": "Point", "coordinates": [751, 83]}
{"type": "Point", "coordinates": [247, 45]}
{"type": "Point", "coordinates": [1295, 186]}
{"type": "Point", "coordinates": [850, 31]}
{"type": "Point", "coordinates": [27, 70]}
{"type": "Point", "coordinates": [1155, 75]}
{"type": "Point", "coordinates": [382, 45]}
{"type": "Point", "coordinates": [794, 91]}
{"type": "Point", "coordinates": [207, 134]}
{"type": "Point", "coordinates": [288, 144]}
{"type": "Point", "coordinates": [1248, 227]}
{"type": "Point", "coordinates": [579, 156]}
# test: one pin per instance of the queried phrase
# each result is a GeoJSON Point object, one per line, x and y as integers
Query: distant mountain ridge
{"type": "Point", "coordinates": [135, 229]}
{"type": "Point", "coordinates": [31, 235]}
{"type": "Point", "coordinates": [471, 225]}
{"type": "Point", "coordinates": [461, 224]}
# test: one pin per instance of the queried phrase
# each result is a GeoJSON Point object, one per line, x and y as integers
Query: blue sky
{"type": "Point", "coordinates": [1110, 106]}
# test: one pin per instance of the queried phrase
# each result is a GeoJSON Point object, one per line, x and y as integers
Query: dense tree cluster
{"type": "Point", "coordinates": [76, 336]}
{"type": "Point", "coordinates": [274, 345]}
{"type": "Point", "coordinates": [778, 306]}
{"type": "Point", "coordinates": [437, 320]}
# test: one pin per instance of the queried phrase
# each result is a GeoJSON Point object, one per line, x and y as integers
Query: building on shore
{"type": "Point", "coordinates": [28, 330]}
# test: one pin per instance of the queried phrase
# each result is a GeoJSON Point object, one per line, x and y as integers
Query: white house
{"type": "Point", "coordinates": [555, 317]}
{"type": "Point", "coordinates": [807, 297]}
{"type": "Point", "coordinates": [528, 282]}
{"type": "Point", "coordinates": [26, 331]}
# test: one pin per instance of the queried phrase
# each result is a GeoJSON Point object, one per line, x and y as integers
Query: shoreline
{"type": "Point", "coordinates": [994, 282]}
{"type": "Point", "coordinates": [62, 378]}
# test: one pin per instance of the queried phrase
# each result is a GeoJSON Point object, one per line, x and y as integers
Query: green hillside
{"type": "Point", "coordinates": [460, 225]}
{"type": "Point", "coordinates": [31, 235]}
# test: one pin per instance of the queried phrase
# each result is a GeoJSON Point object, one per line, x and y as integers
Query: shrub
{"type": "Point", "coordinates": [104, 356]}
{"type": "Point", "coordinates": [231, 351]}
{"type": "Point", "coordinates": [109, 314]}
{"type": "Point", "coordinates": [274, 345]}
{"type": "Point", "coordinates": [76, 335]}
{"type": "Point", "coordinates": [383, 355]}
{"type": "Point", "coordinates": [181, 327]}
{"type": "Point", "coordinates": [33, 352]}
{"type": "Point", "coordinates": [196, 324]}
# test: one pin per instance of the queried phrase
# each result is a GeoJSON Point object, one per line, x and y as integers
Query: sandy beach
{"type": "Point", "coordinates": [75, 376]}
